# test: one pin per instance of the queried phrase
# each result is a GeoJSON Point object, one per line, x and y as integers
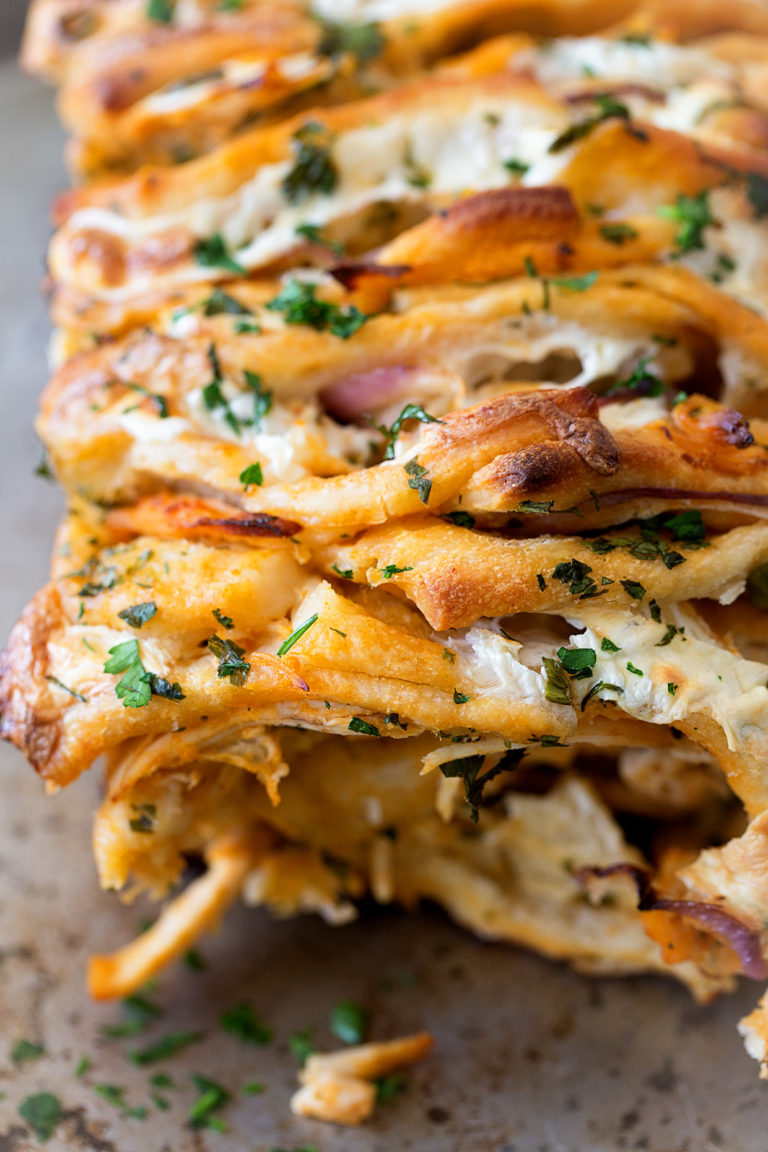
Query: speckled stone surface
{"type": "Point", "coordinates": [528, 1056]}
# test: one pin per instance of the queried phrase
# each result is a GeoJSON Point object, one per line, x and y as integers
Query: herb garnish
{"type": "Point", "coordinates": [345, 573]}
{"type": "Point", "coordinates": [468, 768]}
{"type": "Point", "coordinates": [137, 685]}
{"type": "Point", "coordinates": [138, 614]}
{"type": "Point", "coordinates": [409, 412]}
{"type": "Point", "coordinates": [211, 1097]}
{"type": "Point", "coordinates": [302, 1045]}
{"type": "Point", "coordinates": [607, 645]}
{"type": "Point", "coordinates": [144, 821]}
{"type": "Point", "coordinates": [556, 689]}
{"type": "Point", "coordinates": [460, 697]}
{"type": "Point", "coordinates": [313, 168]}
{"type": "Point", "coordinates": [516, 167]}
{"type": "Point", "coordinates": [42, 1112]}
{"type": "Point", "coordinates": [24, 1050]}
{"type": "Point", "coordinates": [757, 192]}
{"type": "Point", "coordinates": [601, 686]}
{"type": "Point", "coordinates": [633, 589]}
{"type": "Point", "coordinates": [161, 11]}
{"type": "Point", "coordinates": [114, 1094]}
{"type": "Point", "coordinates": [65, 688]}
{"type": "Point", "coordinates": [577, 576]}
{"type": "Point", "coordinates": [607, 108]}
{"type": "Point", "coordinates": [225, 621]}
{"type": "Point", "coordinates": [692, 214]}
{"type": "Point", "coordinates": [618, 233]}
{"type": "Point", "coordinates": [298, 304]}
{"type": "Point", "coordinates": [214, 253]}
{"type": "Point", "coordinates": [418, 479]}
{"type": "Point", "coordinates": [460, 519]}
{"type": "Point", "coordinates": [577, 662]}
{"type": "Point", "coordinates": [631, 668]}
{"type": "Point", "coordinates": [641, 381]}
{"type": "Point", "coordinates": [164, 1048]}
{"type": "Point", "coordinates": [757, 586]}
{"type": "Point", "coordinates": [220, 303]}
{"type": "Point", "coordinates": [243, 1022]}
{"type": "Point", "coordinates": [252, 475]}
{"type": "Point", "coordinates": [349, 1022]}
{"type": "Point", "coordinates": [297, 633]}
{"type": "Point", "coordinates": [356, 724]}
{"type": "Point", "coordinates": [365, 41]}
{"type": "Point", "coordinates": [312, 233]}
{"type": "Point", "coordinates": [230, 658]}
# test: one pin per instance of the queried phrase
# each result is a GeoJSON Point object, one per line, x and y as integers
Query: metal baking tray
{"type": "Point", "coordinates": [528, 1057]}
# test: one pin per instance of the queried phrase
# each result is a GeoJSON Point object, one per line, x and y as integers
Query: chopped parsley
{"type": "Point", "coordinates": [43, 469]}
{"type": "Point", "coordinates": [608, 108]}
{"type": "Point", "coordinates": [313, 167]}
{"type": "Point", "coordinates": [138, 614]}
{"type": "Point", "coordinates": [194, 961]}
{"type": "Point", "coordinates": [460, 697]}
{"type": "Point", "coordinates": [298, 304]}
{"type": "Point", "coordinates": [42, 1112]}
{"type": "Point", "coordinates": [601, 686]}
{"type": "Point", "coordinates": [263, 397]}
{"type": "Point", "coordinates": [467, 768]}
{"type": "Point", "coordinates": [161, 11]}
{"type": "Point", "coordinates": [757, 193]}
{"type": "Point", "coordinates": [70, 691]}
{"type": "Point", "coordinates": [225, 621]}
{"type": "Point", "coordinates": [164, 1048]}
{"type": "Point", "coordinates": [757, 587]}
{"type": "Point", "coordinates": [633, 589]}
{"type": "Point", "coordinates": [144, 821]}
{"type": "Point", "coordinates": [243, 1022]}
{"type": "Point", "coordinates": [607, 645]}
{"type": "Point", "coordinates": [418, 479]}
{"type": "Point", "coordinates": [578, 577]}
{"type": "Point", "coordinates": [460, 519]}
{"type": "Point", "coordinates": [349, 1022]}
{"type": "Point", "coordinates": [252, 475]}
{"type": "Point", "coordinates": [574, 283]}
{"type": "Point", "coordinates": [535, 507]}
{"type": "Point", "coordinates": [640, 381]}
{"type": "Point", "coordinates": [230, 658]}
{"type": "Point", "coordinates": [159, 402]}
{"type": "Point", "coordinates": [312, 233]}
{"type": "Point", "coordinates": [393, 570]}
{"type": "Point", "coordinates": [364, 41]}
{"type": "Point", "coordinates": [577, 662]}
{"type": "Point", "coordinates": [668, 636]}
{"type": "Point", "coordinates": [220, 303]}
{"type": "Point", "coordinates": [394, 718]}
{"type": "Point", "coordinates": [692, 214]}
{"type": "Point", "coordinates": [302, 1045]}
{"type": "Point", "coordinates": [556, 688]}
{"type": "Point", "coordinates": [409, 412]}
{"type": "Point", "coordinates": [214, 253]}
{"type": "Point", "coordinates": [345, 573]}
{"type": "Point", "coordinates": [631, 668]}
{"type": "Point", "coordinates": [618, 233]}
{"type": "Point", "coordinates": [211, 1097]}
{"type": "Point", "coordinates": [672, 688]}
{"type": "Point", "coordinates": [114, 1094]}
{"type": "Point", "coordinates": [26, 1050]}
{"type": "Point", "coordinates": [297, 633]}
{"type": "Point", "coordinates": [137, 685]}
{"type": "Point", "coordinates": [387, 1087]}
{"type": "Point", "coordinates": [516, 167]}
{"type": "Point", "coordinates": [358, 725]}
{"type": "Point", "coordinates": [541, 582]}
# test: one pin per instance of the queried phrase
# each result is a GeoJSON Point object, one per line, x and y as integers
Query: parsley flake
{"type": "Point", "coordinates": [138, 614]}
{"type": "Point", "coordinates": [409, 412]}
{"type": "Point", "coordinates": [356, 724]}
{"type": "Point", "coordinates": [243, 1022]}
{"type": "Point", "coordinates": [607, 645]}
{"type": "Point", "coordinates": [26, 1050]}
{"type": "Point", "coordinates": [230, 658]}
{"type": "Point", "coordinates": [164, 1048]}
{"type": "Point", "coordinates": [393, 570]}
{"type": "Point", "coordinates": [618, 233]}
{"type": "Point", "coordinates": [601, 686]}
{"type": "Point", "coordinates": [42, 1112]}
{"type": "Point", "coordinates": [349, 1022]}
{"type": "Point", "coordinates": [161, 11]}
{"type": "Point", "coordinates": [692, 214]}
{"type": "Point", "coordinates": [460, 697]}
{"type": "Point", "coordinates": [252, 475]}
{"type": "Point", "coordinates": [418, 479]}
{"type": "Point", "coordinates": [211, 1098]}
{"type": "Point", "coordinates": [633, 589]}
{"type": "Point", "coordinates": [297, 633]}
{"type": "Point", "coordinates": [468, 768]}
{"type": "Point", "coordinates": [460, 519]}
{"type": "Point", "coordinates": [298, 304]}
{"type": "Point", "coordinates": [345, 573]}
{"type": "Point", "coordinates": [364, 41]}
{"type": "Point", "coordinates": [225, 621]}
{"type": "Point", "coordinates": [220, 303]}
{"type": "Point", "coordinates": [313, 167]}
{"type": "Point", "coordinates": [607, 108]}
{"type": "Point", "coordinates": [577, 662]}
{"type": "Point", "coordinates": [214, 253]}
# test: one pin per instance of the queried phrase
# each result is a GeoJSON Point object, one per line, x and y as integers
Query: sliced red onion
{"type": "Point", "coordinates": [366, 391]}
{"type": "Point", "coordinates": [709, 917]}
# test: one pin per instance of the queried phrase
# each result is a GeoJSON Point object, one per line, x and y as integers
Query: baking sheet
{"type": "Point", "coordinates": [528, 1058]}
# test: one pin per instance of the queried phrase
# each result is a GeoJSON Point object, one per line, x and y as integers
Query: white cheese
{"type": "Point", "coordinates": [709, 678]}
{"type": "Point", "coordinates": [658, 64]}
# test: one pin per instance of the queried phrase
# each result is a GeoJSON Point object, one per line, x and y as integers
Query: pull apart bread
{"type": "Point", "coordinates": [416, 454]}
